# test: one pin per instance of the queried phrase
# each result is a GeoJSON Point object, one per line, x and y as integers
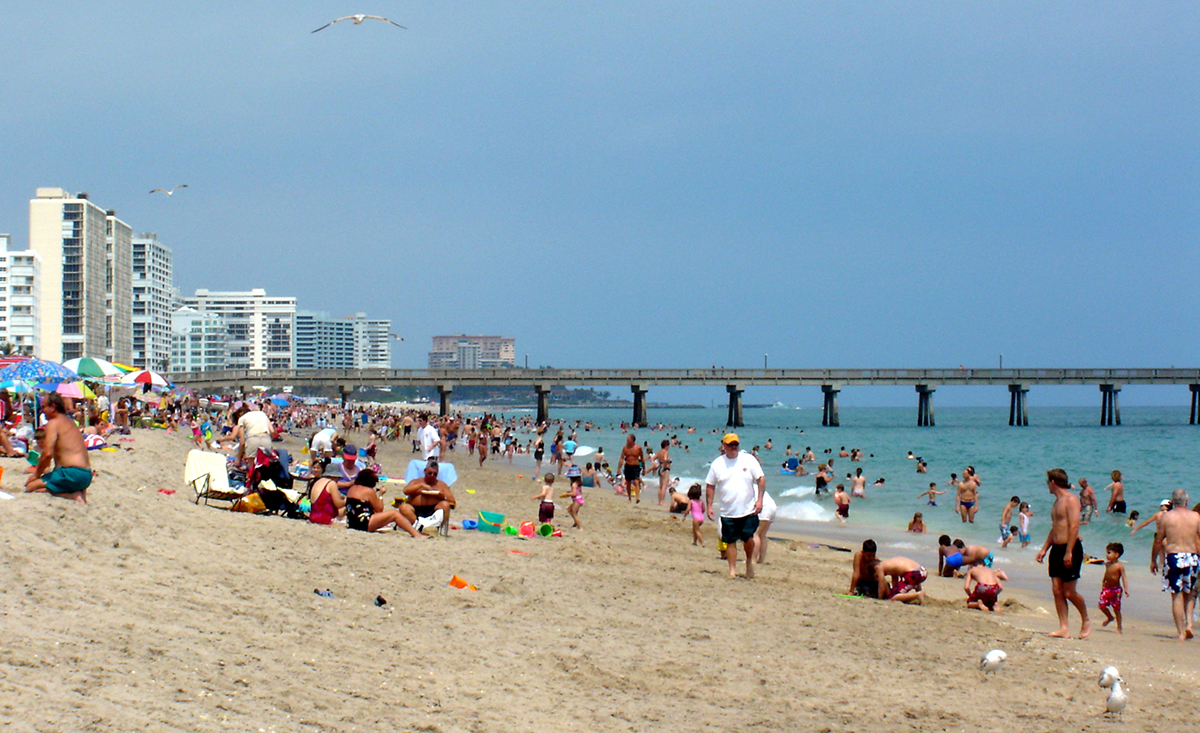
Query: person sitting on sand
{"type": "Point", "coordinates": [326, 502]}
{"type": "Point", "coordinates": [975, 554]}
{"type": "Point", "coordinates": [62, 443]}
{"type": "Point", "coordinates": [348, 469]}
{"type": "Point", "coordinates": [950, 557]}
{"type": "Point", "coordinates": [866, 576]}
{"type": "Point", "coordinates": [428, 495]}
{"type": "Point", "coordinates": [907, 576]}
{"type": "Point", "coordinates": [364, 508]}
{"type": "Point", "coordinates": [987, 587]}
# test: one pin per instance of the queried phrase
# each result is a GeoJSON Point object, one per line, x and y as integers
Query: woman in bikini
{"type": "Point", "coordinates": [662, 460]}
{"type": "Point", "coordinates": [364, 508]}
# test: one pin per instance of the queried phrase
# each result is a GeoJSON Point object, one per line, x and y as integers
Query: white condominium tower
{"type": "Point", "coordinates": [19, 272]}
{"type": "Point", "coordinates": [118, 291]}
{"type": "Point", "coordinates": [152, 300]}
{"type": "Point", "coordinates": [261, 330]}
{"type": "Point", "coordinates": [70, 236]}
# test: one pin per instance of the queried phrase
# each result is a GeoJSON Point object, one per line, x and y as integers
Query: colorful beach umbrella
{"type": "Point", "coordinates": [125, 367]}
{"type": "Point", "coordinates": [96, 368]}
{"type": "Point", "coordinates": [145, 376]}
{"type": "Point", "coordinates": [38, 371]}
{"type": "Point", "coordinates": [74, 390]}
{"type": "Point", "coordinates": [16, 386]}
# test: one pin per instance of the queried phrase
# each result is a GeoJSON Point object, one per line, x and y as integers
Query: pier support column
{"type": "Point", "coordinates": [543, 397]}
{"type": "Point", "coordinates": [735, 405]}
{"type": "Point", "coordinates": [639, 405]}
{"type": "Point", "coordinates": [1017, 414]}
{"type": "Point", "coordinates": [829, 413]}
{"type": "Point", "coordinates": [247, 390]}
{"type": "Point", "coordinates": [925, 405]}
{"type": "Point", "coordinates": [1110, 407]}
{"type": "Point", "coordinates": [1194, 417]}
{"type": "Point", "coordinates": [444, 391]}
{"type": "Point", "coordinates": [346, 390]}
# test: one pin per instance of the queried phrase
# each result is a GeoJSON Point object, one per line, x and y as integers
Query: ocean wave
{"type": "Point", "coordinates": [906, 545]}
{"type": "Point", "coordinates": [797, 491]}
{"type": "Point", "coordinates": [805, 511]}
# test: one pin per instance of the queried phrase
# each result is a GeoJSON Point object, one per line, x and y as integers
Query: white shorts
{"type": "Point", "coordinates": [768, 511]}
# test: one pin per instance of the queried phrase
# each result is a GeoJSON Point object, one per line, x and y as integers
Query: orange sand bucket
{"type": "Point", "coordinates": [527, 529]}
{"type": "Point", "coordinates": [457, 582]}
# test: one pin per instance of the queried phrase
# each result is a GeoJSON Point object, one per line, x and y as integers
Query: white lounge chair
{"type": "Point", "coordinates": [206, 473]}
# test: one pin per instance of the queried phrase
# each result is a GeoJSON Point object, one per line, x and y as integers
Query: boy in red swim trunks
{"type": "Point", "coordinates": [987, 589]}
{"type": "Point", "coordinates": [1113, 585]}
{"type": "Point", "coordinates": [906, 579]}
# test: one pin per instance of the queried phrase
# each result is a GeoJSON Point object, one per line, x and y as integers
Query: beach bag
{"type": "Point", "coordinates": [251, 503]}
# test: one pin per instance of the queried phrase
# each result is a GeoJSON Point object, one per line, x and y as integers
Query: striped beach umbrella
{"type": "Point", "coordinates": [145, 376]}
{"type": "Point", "coordinates": [95, 368]}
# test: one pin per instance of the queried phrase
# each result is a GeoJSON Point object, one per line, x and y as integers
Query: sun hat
{"type": "Point", "coordinates": [730, 438]}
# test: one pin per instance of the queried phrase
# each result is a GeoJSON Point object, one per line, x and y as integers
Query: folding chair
{"type": "Point", "coordinates": [206, 473]}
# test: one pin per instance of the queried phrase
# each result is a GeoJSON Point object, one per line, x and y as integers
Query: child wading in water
{"type": "Point", "coordinates": [697, 508]}
{"type": "Point", "coordinates": [1024, 515]}
{"type": "Point", "coordinates": [1113, 585]}
{"type": "Point", "coordinates": [546, 500]}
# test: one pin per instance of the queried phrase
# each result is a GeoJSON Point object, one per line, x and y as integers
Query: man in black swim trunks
{"type": "Point", "coordinates": [632, 457]}
{"type": "Point", "coordinates": [1066, 553]}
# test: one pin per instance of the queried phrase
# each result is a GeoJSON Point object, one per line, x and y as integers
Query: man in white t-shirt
{"type": "Point", "coordinates": [431, 441]}
{"type": "Point", "coordinates": [255, 432]}
{"type": "Point", "coordinates": [736, 481]}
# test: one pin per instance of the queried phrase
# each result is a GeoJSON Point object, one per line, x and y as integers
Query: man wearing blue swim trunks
{"type": "Point", "coordinates": [64, 445]}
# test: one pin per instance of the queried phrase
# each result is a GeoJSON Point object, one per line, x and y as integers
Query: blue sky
{"type": "Point", "coordinates": [670, 184]}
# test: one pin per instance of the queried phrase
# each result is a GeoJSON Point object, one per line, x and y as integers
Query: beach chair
{"type": "Point", "coordinates": [206, 473]}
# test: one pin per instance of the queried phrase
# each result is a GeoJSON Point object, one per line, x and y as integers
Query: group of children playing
{"type": "Point", "coordinates": [545, 497]}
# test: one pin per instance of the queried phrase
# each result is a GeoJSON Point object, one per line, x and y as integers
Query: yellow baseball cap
{"type": "Point", "coordinates": [730, 438]}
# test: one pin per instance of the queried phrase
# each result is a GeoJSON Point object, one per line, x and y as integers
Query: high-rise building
{"type": "Point", "coordinates": [19, 272]}
{"type": "Point", "coordinates": [198, 341]}
{"type": "Point", "coordinates": [118, 290]}
{"type": "Point", "coordinates": [372, 342]}
{"type": "Point", "coordinates": [354, 342]}
{"type": "Point", "coordinates": [260, 329]}
{"type": "Point", "coordinates": [153, 295]}
{"type": "Point", "coordinates": [69, 234]}
{"type": "Point", "coordinates": [472, 352]}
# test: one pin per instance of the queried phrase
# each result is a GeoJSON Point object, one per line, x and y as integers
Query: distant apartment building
{"type": "Point", "coordinates": [198, 341]}
{"type": "Point", "coordinates": [118, 290]}
{"type": "Point", "coordinates": [153, 296]}
{"type": "Point", "coordinates": [19, 273]}
{"type": "Point", "coordinates": [260, 329]}
{"type": "Point", "coordinates": [69, 235]}
{"type": "Point", "coordinates": [354, 342]}
{"type": "Point", "coordinates": [472, 352]}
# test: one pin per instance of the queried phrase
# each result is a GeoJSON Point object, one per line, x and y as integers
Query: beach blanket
{"type": "Point", "coordinates": [94, 442]}
{"type": "Point", "coordinates": [416, 469]}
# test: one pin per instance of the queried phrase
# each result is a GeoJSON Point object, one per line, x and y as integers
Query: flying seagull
{"type": "Point", "coordinates": [358, 19]}
{"type": "Point", "coordinates": [992, 661]}
{"type": "Point", "coordinates": [172, 191]}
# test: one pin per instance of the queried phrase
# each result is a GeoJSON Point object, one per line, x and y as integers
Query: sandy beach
{"type": "Point", "coordinates": [144, 611]}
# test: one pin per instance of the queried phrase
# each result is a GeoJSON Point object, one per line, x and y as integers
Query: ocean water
{"type": "Point", "coordinates": [1154, 448]}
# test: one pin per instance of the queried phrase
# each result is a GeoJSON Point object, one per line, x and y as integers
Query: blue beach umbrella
{"type": "Point", "coordinates": [38, 371]}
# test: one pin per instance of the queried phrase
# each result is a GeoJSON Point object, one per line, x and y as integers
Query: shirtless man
{"type": "Point", "coordinates": [64, 444]}
{"type": "Point", "coordinates": [1087, 502]}
{"type": "Point", "coordinates": [1116, 500]}
{"type": "Point", "coordinates": [866, 575]}
{"type": "Point", "coordinates": [1066, 553]}
{"type": "Point", "coordinates": [428, 495]}
{"type": "Point", "coordinates": [907, 576]}
{"type": "Point", "coordinates": [1178, 541]}
{"type": "Point", "coordinates": [968, 496]}
{"type": "Point", "coordinates": [632, 457]}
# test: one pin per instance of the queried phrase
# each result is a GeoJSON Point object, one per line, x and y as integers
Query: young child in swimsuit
{"type": "Point", "coordinates": [1024, 515]}
{"type": "Point", "coordinates": [931, 494]}
{"type": "Point", "coordinates": [987, 589]}
{"type": "Point", "coordinates": [1113, 585]}
{"type": "Point", "coordinates": [950, 558]}
{"type": "Point", "coordinates": [576, 494]}
{"type": "Point", "coordinates": [696, 507]}
{"type": "Point", "coordinates": [545, 499]}
{"type": "Point", "coordinates": [842, 499]}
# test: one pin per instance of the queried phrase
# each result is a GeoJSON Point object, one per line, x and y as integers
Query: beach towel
{"type": "Point", "coordinates": [416, 469]}
{"type": "Point", "coordinates": [94, 442]}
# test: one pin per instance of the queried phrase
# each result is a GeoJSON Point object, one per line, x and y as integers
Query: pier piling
{"type": "Point", "coordinates": [1194, 418]}
{"type": "Point", "coordinates": [925, 405]}
{"type": "Point", "coordinates": [1110, 408]}
{"type": "Point", "coordinates": [639, 405]}
{"type": "Point", "coordinates": [735, 405]}
{"type": "Point", "coordinates": [1017, 414]}
{"type": "Point", "coordinates": [543, 403]}
{"type": "Point", "coordinates": [444, 391]}
{"type": "Point", "coordinates": [829, 413]}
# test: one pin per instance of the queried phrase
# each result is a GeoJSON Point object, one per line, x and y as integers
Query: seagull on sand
{"type": "Point", "coordinates": [358, 19]}
{"type": "Point", "coordinates": [172, 191]}
{"type": "Point", "coordinates": [992, 661]}
{"type": "Point", "coordinates": [1117, 699]}
{"type": "Point", "coordinates": [1108, 676]}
